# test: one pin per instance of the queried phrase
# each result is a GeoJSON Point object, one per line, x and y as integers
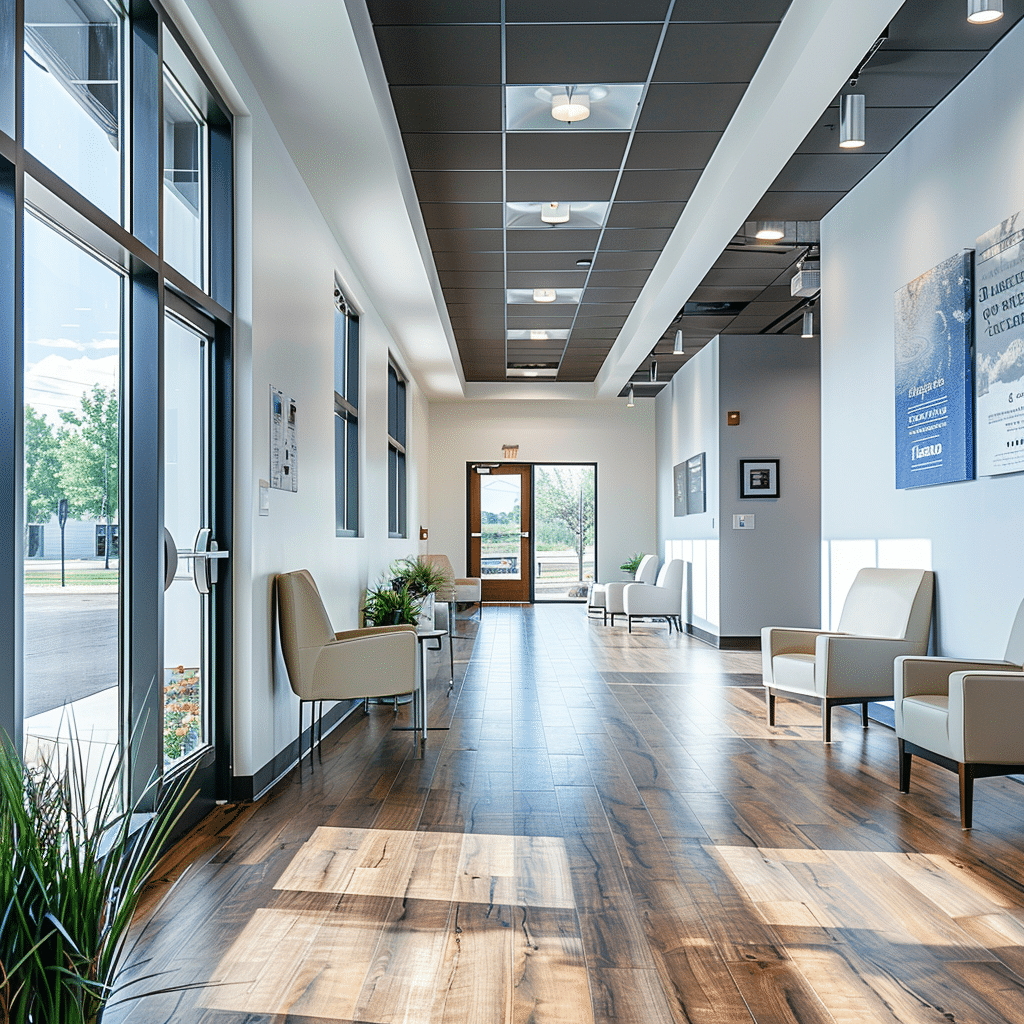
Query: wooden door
{"type": "Point", "coordinates": [499, 531]}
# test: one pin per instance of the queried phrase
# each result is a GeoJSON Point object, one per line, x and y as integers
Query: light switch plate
{"type": "Point", "coordinates": [264, 498]}
{"type": "Point", "coordinates": [743, 522]}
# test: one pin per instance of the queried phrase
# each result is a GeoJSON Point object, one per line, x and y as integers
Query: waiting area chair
{"type": "Point", "coordinates": [379, 661]}
{"type": "Point", "coordinates": [888, 613]}
{"type": "Point", "coordinates": [967, 716]}
{"type": "Point", "coordinates": [597, 600]}
{"type": "Point", "coordinates": [465, 589]}
{"type": "Point", "coordinates": [662, 601]}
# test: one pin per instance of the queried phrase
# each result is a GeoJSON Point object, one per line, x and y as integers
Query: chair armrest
{"type": "Point", "coordinates": [858, 666]}
{"type": "Point", "coordinates": [915, 675]}
{"type": "Point", "coordinates": [375, 662]}
{"type": "Point", "coordinates": [783, 640]}
{"type": "Point", "coordinates": [644, 599]}
{"type": "Point", "coordinates": [986, 716]}
{"type": "Point", "coordinates": [467, 581]}
{"type": "Point", "coordinates": [613, 600]}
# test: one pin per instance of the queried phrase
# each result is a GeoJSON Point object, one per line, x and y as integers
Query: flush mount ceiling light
{"type": "Point", "coordinates": [984, 12]}
{"type": "Point", "coordinates": [554, 213]}
{"type": "Point", "coordinates": [533, 334]}
{"type": "Point", "coordinates": [677, 349]}
{"type": "Point", "coordinates": [851, 121]}
{"type": "Point", "coordinates": [558, 297]}
{"type": "Point", "coordinates": [629, 398]}
{"type": "Point", "coordinates": [539, 336]}
{"type": "Point", "coordinates": [570, 105]}
{"type": "Point", "coordinates": [770, 230]}
{"type": "Point", "coordinates": [544, 294]}
{"type": "Point", "coordinates": [808, 329]}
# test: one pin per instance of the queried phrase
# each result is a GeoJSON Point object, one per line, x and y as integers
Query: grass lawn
{"type": "Point", "coordinates": [73, 578]}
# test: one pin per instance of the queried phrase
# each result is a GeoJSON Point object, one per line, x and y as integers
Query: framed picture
{"type": "Point", "coordinates": [679, 482]}
{"type": "Point", "coordinates": [696, 498]}
{"type": "Point", "coordinates": [759, 478]}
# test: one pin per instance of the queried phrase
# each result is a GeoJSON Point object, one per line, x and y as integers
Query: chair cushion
{"type": "Point", "coordinates": [467, 590]}
{"type": "Point", "coordinates": [926, 722]}
{"type": "Point", "coordinates": [793, 672]}
{"type": "Point", "coordinates": [596, 598]}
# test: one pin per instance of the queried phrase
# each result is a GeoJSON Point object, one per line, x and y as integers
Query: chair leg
{"type": "Point", "coordinates": [769, 698]}
{"type": "Point", "coordinates": [966, 773]}
{"type": "Point", "coordinates": [864, 714]}
{"type": "Point", "coordinates": [300, 737]}
{"type": "Point", "coordinates": [905, 760]}
{"type": "Point", "coordinates": [604, 615]}
{"type": "Point", "coordinates": [629, 623]}
{"type": "Point", "coordinates": [826, 720]}
{"type": "Point", "coordinates": [320, 733]}
{"type": "Point", "coordinates": [451, 662]}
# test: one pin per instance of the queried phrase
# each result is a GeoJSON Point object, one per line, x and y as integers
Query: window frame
{"type": "Point", "coordinates": [347, 368]}
{"type": "Point", "coordinates": [398, 433]}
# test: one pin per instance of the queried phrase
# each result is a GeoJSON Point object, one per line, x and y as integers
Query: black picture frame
{"type": "Point", "coordinates": [696, 492]}
{"type": "Point", "coordinates": [759, 478]}
{"type": "Point", "coordinates": [679, 489]}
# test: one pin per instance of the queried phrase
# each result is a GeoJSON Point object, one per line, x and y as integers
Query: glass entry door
{"type": "Point", "coordinates": [499, 531]}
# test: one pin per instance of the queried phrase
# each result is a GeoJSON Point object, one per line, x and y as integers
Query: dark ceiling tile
{"type": "Point", "coordinates": [453, 151]}
{"type": "Point", "coordinates": [795, 205]}
{"type": "Point", "coordinates": [594, 333]}
{"type": "Point", "coordinates": [587, 324]}
{"type": "Point", "coordinates": [440, 55]}
{"type": "Point", "coordinates": [626, 260]}
{"type": "Point", "coordinates": [589, 311]}
{"type": "Point", "coordinates": [580, 54]}
{"type": "Point", "coordinates": [942, 25]}
{"type": "Point", "coordinates": [738, 293]}
{"type": "Point", "coordinates": [480, 297]}
{"type": "Point", "coordinates": [479, 324]}
{"type": "Point", "coordinates": [914, 78]}
{"type": "Point", "coordinates": [551, 241]}
{"type": "Point", "coordinates": [699, 326]}
{"type": "Point", "coordinates": [778, 293]}
{"type": "Point", "coordinates": [592, 10]}
{"type": "Point", "coordinates": [526, 261]}
{"type": "Point", "coordinates": [824, 172]}
{"type": "Point", "coordinates": [730, 10]}
{"type": "Point", "coordinates": [759, 259]}
{"type": "Point", "coordinates": [458, 186]}
{"type": "Point", "coordinates": [465, 241]}
{"type": "Point", "coordinates": [625, 239]}
{"type": "Point", "coordinates": [547, 279]}
{"type": "Point", "coordinates": [884, 128]}
{"type": "Point", "coordinates": [713, 52]}
{"type": "Point", "coordinates": [447, 108]}
{"type": "Point", "coordinates": [433, 12]}
{"type": "Point", "coordinates": [472, 279]}
{"type": "Point", "coordinates": [657, 186]}
{"type": "Point", "coordinates": [718, 277]}
{"type": "Point", "coordinates": [481, 337]}
{"type": "Point", "coordinates": [619, 278]}
{"type": "Point", "coordinates": [644, 215]}
{"type": "Point", "coordinates": [673, 150]}
{"type": "Point", "coordinates": [593, 294]}
{"type": "Point", "coordinates": [539, 322]}
{"type": "Point", "coordinates": [564, 150]}
{"type": "Point", "coordinates": [463, 215]}
{"type": "Point", "coordinates": [689, 108]}
{"type": "Point", "coordinates": [457, 262]}
{"type": "Point", "coordinates": [559, 186]}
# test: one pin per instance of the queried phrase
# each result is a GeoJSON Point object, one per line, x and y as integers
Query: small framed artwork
{"type": "Point", "coordinates": [759, 478]}
{"type": "Point", "coordinates": [679, 484]}
{"type": "Point", "coordinates": [696, 498]}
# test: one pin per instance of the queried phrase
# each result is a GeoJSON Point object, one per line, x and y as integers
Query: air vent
{"type": "Point", "coordinates": [714, 308]}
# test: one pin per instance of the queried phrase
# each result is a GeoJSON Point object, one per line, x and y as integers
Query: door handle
{"type": "Point", "coordinates": [525, 533]}
{"type": "Point", "coordinates": [205, 555]}
{"type": "Point", "coordinates": [476, 535]}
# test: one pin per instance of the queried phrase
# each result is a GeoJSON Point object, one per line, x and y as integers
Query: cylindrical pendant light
{"type": "Point", "coordinates": [851, 121]}
{"type": "Point", "coordinates": [770, 230]}
{"type": "Point", "coordinates": [808, 331]}
{"type": "Point", "coordinates": [654, 371]}
{"type": "Point", "coordinates": [629, 397]}
{"type": "Point", "coordinates": [984, 12]}
{"type": "Point", "coordinates": [677, 349]}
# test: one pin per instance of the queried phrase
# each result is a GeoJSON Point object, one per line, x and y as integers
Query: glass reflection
{"type": "Point", "coordinates": [501, 499]}
{"type": "Point", "coordinates": [184, 186]}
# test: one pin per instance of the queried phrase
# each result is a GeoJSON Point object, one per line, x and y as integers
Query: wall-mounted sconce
{"type": "Point", "coordinates": [423, 533]}
{"type": "Point", "coordinates": [732, 418]}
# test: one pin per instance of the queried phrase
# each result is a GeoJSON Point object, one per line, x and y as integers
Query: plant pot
{"type": "Point", "coordinates": [425, 619]}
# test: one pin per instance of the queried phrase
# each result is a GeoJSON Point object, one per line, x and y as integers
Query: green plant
{"type": "Point", "coordinates": [419, 576]}
{"type": "Point", "coordinates": [632, 563]}
{"type": "Point", "coordinates": [73, 864]}
{"type": "Point", "coordinates": [386, 605]}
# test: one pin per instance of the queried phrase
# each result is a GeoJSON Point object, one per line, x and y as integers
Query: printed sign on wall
{"type": "Point", "coordinates": [934, 422]}
{"type": "Point", "coordinates": [284, 447]}
{"type": "Point", "coordinates": [999, 348]}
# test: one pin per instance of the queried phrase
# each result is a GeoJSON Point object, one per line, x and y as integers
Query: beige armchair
{"type": "Point", "coordinates": [967, 716]}
{"type": "Point", "coordinates": [465, 589]}
{"type": "Point", "coordinates": [597, 599]}
{"type": "Point", "coordinates": [324, 665]}
{"type": "Point", "coordinates": [888, 613]}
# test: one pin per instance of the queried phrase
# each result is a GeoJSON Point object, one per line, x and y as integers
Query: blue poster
{"type": "Point", "coordinates": [934, 391]}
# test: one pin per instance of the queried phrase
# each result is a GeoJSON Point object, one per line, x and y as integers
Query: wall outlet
{"type": "Point", "coordinates": [744, 522]}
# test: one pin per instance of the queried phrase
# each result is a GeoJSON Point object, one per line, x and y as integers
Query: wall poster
{"type": "Point", "coordinates": [696, 497]}
{"type": "Point", "coordinates": [679, 492]}
{"type": "Point", "coordinates": [934, 416]}
{"type": "Point", "coordinates": [284, 448]}
{"type": "Point", "coordinates": [999, 348]}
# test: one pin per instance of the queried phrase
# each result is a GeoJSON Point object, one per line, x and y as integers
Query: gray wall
{"type": "Point", "coordinates": [955, 176]}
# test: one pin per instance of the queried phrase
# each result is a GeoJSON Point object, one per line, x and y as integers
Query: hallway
{"type": "Point", "coordinates": [607, 832]}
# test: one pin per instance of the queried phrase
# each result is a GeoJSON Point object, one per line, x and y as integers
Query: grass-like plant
{"type": "Point", "coordinates": [73, 863]}
{"type": "Point", "coordinates": [421, 577]}
{"type": "Point", "coordinates": [632, 563]}
{"type": "Point", "coordinates": [387, 605]}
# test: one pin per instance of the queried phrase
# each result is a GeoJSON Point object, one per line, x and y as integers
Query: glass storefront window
{"type": "Point", "coordinates": [184, 183]}
{"type": "Point", "coordinates": [73, 95]}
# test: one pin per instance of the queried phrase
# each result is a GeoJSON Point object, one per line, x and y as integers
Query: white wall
{"type": "Point", "coordinates": [619, 440]}
{"type": "Point", "coordinates": [958, 174]}
{"type": "Point", "coordinates": [286, 266]}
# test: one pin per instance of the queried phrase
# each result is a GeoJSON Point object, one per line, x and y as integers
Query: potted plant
{"type": "Point", "coordinates": [632, 563]}
{"type": "Point", "coordinates": [73, 864]}
{"type": "Point", "coordinates": [423, 580]}
{"type": "Point", "coordinates": [387, 605]}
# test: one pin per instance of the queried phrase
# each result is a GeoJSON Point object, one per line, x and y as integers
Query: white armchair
{"type": "Point", "coordinates": [662, 601]}
{"type": "Point", "coordinates": [597, 600]}
{"type": "Point", "coordinates": [888, 613]}
{"type": "Point", "coordinates": [967, 716]}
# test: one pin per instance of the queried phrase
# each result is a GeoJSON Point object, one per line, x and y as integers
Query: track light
{"type": "Point", "coordinates": [984, 12]}
{"type": "Point", "coordinates": [629, 397]}
{"type": "Point", "coordinates": [851, 121]}
{"type": "Point", "coordinates": [677, 349]}
{"type": "Point", "coordinates": [654, 371]}
{"type": "Point", "coordinates": [808, 330]}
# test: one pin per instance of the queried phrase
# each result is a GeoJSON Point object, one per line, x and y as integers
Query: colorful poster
{"type": "Point", "coordinates": [934, 421]}
{"type": "Point", "coordinates": [999, 348]}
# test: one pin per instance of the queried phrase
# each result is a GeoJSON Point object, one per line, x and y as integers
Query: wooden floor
{"type": "Point", "coordinates": [608, 832]}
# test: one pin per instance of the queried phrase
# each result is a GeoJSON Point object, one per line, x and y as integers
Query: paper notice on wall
{"type": "Point", "coordinates": [999, 348]}
{"type": "Point", "coordinates": [284, 449]}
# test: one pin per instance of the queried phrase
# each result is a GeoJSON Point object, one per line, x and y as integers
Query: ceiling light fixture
{"type": "Point", "coordinates": [677, 349]}
{"type": "Point", "coordinates": [654, 371]}
{"type": "Point", "coordinates": [770, 230]}
{"type": "Point", "coordinates": [544, 295]}
{"type": "Point", "coordinates": [570, 106]}
{"type": "Point", "coordinates": [554, 213]}
{"type": "Point", "coordinates": [808, 330]}
{"type": "Point", "coordinates": [584, 262]}
{"type": "Point", "coordinates": [629, 397]}
{"type": "Point", "coordinates": [538, 335]}
{"type": "Point", "coordinates": [984, 12]}
{"type": "Point", "coordinates": [851, 121]}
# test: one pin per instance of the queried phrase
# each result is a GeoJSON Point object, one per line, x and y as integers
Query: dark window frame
{"type": "Point", "coordinates": [346, 416]}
